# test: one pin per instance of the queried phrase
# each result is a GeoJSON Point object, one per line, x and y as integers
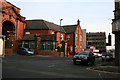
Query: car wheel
{"type": "Point", "coordinates": [74, 62]}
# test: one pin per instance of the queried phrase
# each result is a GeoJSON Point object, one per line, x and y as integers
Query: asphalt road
{"type": "Point", "coordinates": [47, 67]}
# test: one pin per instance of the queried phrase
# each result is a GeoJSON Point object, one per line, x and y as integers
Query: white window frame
{"type": "Point", "coordinates": [68, 37]}
{"type": "Point", "coordinates": [61, 37]}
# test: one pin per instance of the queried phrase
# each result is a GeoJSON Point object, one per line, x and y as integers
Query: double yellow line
{"type": "Point", "coordinates": [92, 69]}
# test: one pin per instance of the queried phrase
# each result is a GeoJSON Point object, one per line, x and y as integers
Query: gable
{"type": "Point", "coordinates": [11, 10]}
{"type": "Point", "coordinates": [70, 28]}
{"type": "Point", "coordinates": [78, 30]}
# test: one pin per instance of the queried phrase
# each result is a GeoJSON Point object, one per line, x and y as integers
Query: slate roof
{"type": "Point", "coordinates": [42, 25]}
{"type": "Point", "coordinates": [70, 28]}
{"type": "Point", "coordinates": [30, 37]}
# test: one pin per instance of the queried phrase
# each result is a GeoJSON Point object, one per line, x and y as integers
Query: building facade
{"type": "Point", "coordinates": [97, 40]}
{"type": "Point", "coordinates": [71, 35]}
{"type": "Point", "coordinates": [116, 31]}
{"type": "Point", "coordinates": [84, 38]}
{"type": "Point", "coordinates": [74, 37]}
{"type": "Point", "coordinates": [12, 26]}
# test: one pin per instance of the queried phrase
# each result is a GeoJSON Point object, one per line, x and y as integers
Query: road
{"type": "Point", "coordinates": [47, 67]}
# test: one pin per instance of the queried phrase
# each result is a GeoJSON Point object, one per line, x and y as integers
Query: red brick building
{"type": "Point", "coordinates": [74, 37]}
{"type": "Point", "coordinates": [71, 35]}
{"type": "Point", "coordinates": [12, 26]}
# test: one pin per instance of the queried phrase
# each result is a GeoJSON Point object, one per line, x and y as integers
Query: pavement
{"type": "Point", "coordinates": [106, 67]}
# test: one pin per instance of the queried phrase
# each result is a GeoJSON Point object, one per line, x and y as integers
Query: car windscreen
{"type": "Point", "coordinates": [82, 53]}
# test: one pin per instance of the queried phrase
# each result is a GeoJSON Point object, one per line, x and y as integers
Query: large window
{"type": "Point", "coordinates": [80, 38]}
{"type": "Point", "coordinates": [29, 44]}
{"type": "Point", "coordinates": [61, 37]}
{"type": "Point", "coordinates": [47, 45]}
{"type": "Point", "coordinates": [68, 37]}
{"type": "Point", "coordinates": [76, 37]}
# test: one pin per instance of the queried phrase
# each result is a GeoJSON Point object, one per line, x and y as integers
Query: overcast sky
{"type": "Point", "coordinates": [95, 15]}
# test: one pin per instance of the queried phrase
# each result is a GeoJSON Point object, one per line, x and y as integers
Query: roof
{"type": "Point", "coordinates": [30, 37]}
{"type": "Point", "coordinates": [70, 28]}
{"type": "Point", "coordinates": [47, 36]}
{"type": "Point", "coordinates": [42, 25]}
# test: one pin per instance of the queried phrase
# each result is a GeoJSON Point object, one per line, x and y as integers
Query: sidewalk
{"type": "Point", "coordinates": [107, 67]}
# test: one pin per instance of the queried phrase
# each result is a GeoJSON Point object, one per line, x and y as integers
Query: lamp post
{"type": "Point", "coordinates": [60, 28]}
{"type": "Point", "coordinates": [60, 36]}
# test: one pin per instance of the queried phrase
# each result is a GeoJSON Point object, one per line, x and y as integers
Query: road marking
{"type": "Point", "coordinates": [92, 69]}
{"type": "Point", "coordinates": [51, 66]}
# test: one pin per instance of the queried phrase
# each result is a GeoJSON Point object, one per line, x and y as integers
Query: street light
{"type": "Point", "coordinates": [60, 36]}
{"type": "Point", "coordinates": [60, 28]}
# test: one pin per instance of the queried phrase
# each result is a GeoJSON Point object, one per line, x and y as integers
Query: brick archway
{"type": "Point", "coordinates": [13, 25]}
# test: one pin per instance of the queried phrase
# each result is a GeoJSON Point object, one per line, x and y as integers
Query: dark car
{"type": "Point", "coordinates": [25, 51]}
{"type": "Point", "coordinates": [106, 56]}
{"type": "Point", "coordinates": [86, 57]}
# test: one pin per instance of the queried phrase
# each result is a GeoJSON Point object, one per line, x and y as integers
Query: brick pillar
{"type": "Point", "coordinates": [37, 44]}
{"type": "Point", "coordinates": [117, 49]}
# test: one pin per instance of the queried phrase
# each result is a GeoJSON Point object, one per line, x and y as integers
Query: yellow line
{"type": "Point", "coordinates": [102, 71]}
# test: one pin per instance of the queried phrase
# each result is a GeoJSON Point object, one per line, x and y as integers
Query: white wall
{"type": "Point", "coordinates": [1, 46]}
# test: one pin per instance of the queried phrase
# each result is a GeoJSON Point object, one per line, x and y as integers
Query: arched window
{"type": "Point", "coordinates": [68, 37]}
{"type": "Point", "coordinates": [61, 37]}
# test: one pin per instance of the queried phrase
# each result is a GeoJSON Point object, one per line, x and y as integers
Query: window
{"type": "Point", "coordinates": [80, 38]}
{"type": "Point", "coordinates": [119, 4]}
{"type": "Point", "coordinates": [52, 33]}
{"type": "Point", "coordinates": [76, 47]}
{"type": "Point", "coordinates": [27, 32]}
{"type": "Point", "coordinates": [80, 48]}
{"type": "Point", "coordinates": [61, 37]}
{"type": "Point", "coordinates": [68, 37]}
{"type": "Point", "coordinates": [47, 45]}
{"type": "Point", "coordinates": [76, 37]}
{"type": "Point", "coordinates": [71, 49]}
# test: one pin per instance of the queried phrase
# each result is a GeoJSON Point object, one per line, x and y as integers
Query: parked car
{"type": "Point", "coordinates": [106, 56]}
{"type": "Point", "coordinates": [97, 55]}
{"type": "Point", "coordinates": [25, 51]}
{"type": "Point", "coordinates": [86, 57]}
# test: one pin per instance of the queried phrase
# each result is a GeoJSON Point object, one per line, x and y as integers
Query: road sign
{"type": "Point", "coordinates": [60, 45]}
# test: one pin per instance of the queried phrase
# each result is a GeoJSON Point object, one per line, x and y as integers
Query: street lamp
{"type": "Point", "coordinates": [60, 28]}
{"type": "Point", "coordinates": [60, 37]}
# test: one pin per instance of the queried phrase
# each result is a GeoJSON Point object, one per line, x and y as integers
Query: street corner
{"type": "Point", "coordinates": [105, 69]}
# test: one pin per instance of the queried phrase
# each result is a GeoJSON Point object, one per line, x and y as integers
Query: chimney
{"type": "Point", "coordinates": [109, 40]}
{"type": "Point", "coordinates": [78, 22]}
